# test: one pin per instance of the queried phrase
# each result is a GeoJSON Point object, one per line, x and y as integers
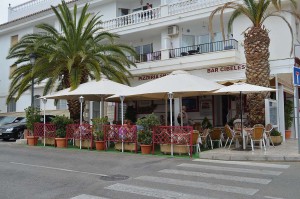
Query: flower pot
{"type": "Point", "coordinates": [61, 142]}
{"type": "Point", "coordinates": [276, 140]}
{"type": "Point", "coordinates": [100, 145]}
{"type": "Point", "coordinates": [288, 134]}
{"type": "Point", "coordinates": [127, 146]}
{"type": "Point", "coordinates": [85, 143]}
{"type": "Point", "coordinates": [32, 140]}
{"type": "Point", "coordinates": [177, 148]}
{"type": "Point", "coordinates": [146, 149]}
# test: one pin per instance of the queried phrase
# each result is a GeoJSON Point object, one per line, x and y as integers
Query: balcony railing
{"type": "Point", "coordinates": [204, 48]}
{"type": "Point", "coordinates": [146, 57]}
{"type": "Point", "coordinates": [134, 18]}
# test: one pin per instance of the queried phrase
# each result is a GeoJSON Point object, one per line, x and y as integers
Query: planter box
{"type": "Point", "coordinates": [32, 140]}
{"type": "Point", "coordinates": [49, 141]}
{"type": "Point", "coordinates": [178, 149]}
{"type": "Point", "coordinates": [85, 144]}
{"type": "Point", "coordinates": [127, 146]}
{"type": "Point", "coordinates": [276, 140]}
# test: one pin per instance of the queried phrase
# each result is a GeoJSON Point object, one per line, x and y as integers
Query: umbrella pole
{"type": "Point", "coordinates": [122, 110]}
{"type": "Point", "coordinates": [81, 101]}
{"type": "Point", "coordinates": [180, 106]}
{"type": "Point", "coordinates": [241, 102]}
{"type": "Point", "coordinates": [102, 107]}
{"type": "Point", "coordinates": [170, 95]}
{"type": "Point", "coordinates": [44, 101]}
{"type": "Point", "coordinates": [166, 112]}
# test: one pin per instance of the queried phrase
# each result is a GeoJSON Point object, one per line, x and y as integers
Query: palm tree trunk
{"type": "Point", "coordinates": [257, 54]}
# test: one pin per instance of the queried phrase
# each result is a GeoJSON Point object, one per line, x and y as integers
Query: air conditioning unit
{"type": "Point", "coordinates": [173, 30]}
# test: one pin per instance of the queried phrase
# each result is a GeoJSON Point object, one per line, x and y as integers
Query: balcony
{"type": "Point", "coordinates": [160, 12]}
{"type": "Point", "coordinates": [204, 48]}
{"type": "Point", "coordinates": [146, 57]}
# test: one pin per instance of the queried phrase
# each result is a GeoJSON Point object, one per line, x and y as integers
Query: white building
{"type": "Point", "coordinates": [172, 35]}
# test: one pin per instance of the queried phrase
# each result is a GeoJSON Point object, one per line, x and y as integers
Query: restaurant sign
{"type": "Point", "coordinates": [226, 68]}
{"type": "Point", "coordinates": [150, 77]}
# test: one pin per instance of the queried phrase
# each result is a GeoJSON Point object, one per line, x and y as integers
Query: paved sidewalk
{"type": "Point", "coordinates": [287, 151]}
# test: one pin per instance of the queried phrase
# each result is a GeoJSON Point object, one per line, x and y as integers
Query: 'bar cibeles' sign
{"type": "Point", "coordinates": [226, 68]}
{"type": "Point", "coordinates": [150, 77]}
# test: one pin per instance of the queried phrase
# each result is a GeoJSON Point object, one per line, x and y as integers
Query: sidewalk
{"type": "Point", "coordinates": [287, 151]}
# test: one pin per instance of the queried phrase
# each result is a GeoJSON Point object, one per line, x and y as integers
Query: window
{"type": "Point", "coordinates": [11, 106]}
{"type": "Point", "coordinates": [14, 40]}
{"type": "Point", "coordinates": [123, 11]}
{"type": "Point", "coordinates": [61, 104]}
{"type": "Point", "coordinates": [145, 52]}
{"type": "Point", "coordinates": [96, 109]}
{"type": "Point", "coordinates": [188, 40]}
{"type": "Point", "coordinates": [37, 101]}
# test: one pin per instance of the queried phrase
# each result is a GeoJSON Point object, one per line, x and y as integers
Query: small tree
{"type": "Point", "coordinates": [145, 135]}
{"type": "Point", "coordinates": [288, 110]}
{"type": "Point", "coordinates": [98, 129]}
{"type": "Point", "coordinates": [32, 116]}
{"type": "Point", "coordinates": [60, 123]}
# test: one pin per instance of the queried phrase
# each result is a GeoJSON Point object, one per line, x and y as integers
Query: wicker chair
{"type": "Point", "coordinates": [205, 137]}
{"type": "Point", "coordinates": [231, 135]}
{"type": "Point", "coordinates": [216, 136]}
{"type": "Point", "coordinates": [257, 134]}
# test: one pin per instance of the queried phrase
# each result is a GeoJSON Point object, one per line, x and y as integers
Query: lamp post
{"type": "Point", "coordinates": [44, 102]}
{"type": "Point", "coordinates": [170, 96]}
{"type": "Point", "coordinates": [32, 58]}
{"type": "Point", "coordinates": [81, 98]}
{"type": "Point", "coordinates": [122, 114]}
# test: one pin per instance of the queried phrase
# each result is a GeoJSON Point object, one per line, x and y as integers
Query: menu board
{"type": "Point", "coordinates": [271, 112]}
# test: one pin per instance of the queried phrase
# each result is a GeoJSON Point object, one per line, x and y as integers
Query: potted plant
{"type": "Point", "coordinates": [288, 118]}
{"type": "Point", "coordinates": [145, 135]}
{"type": "Point", "coordinates": [32, 116]}
{"type": "Point", "coordinates": [98, 132]}
{"type": "Point", "coordinates": [99, 140]}
{"type": "Point", "coordinates": [206, 124]}
{"type": "Point", "coordinates": [276, 137]}
{"type": "Point", "coordinates": [61, 122]}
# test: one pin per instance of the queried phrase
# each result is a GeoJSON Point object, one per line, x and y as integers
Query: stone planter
{"type": "Point", "coordinates": [100, 145]}
{"type": "Point", "coordinates": [277, 140]}
{"type": "Point", "coordinates": [146, 149]}
{"type": "Point", "coordinates": [32, 140]}
{"type": "Point", "coordinates": [61, 142]}
{"type": "Point", "coordinates": [177, 148]}
{"type": "Point", "coordinates": [127, 146]}
{"type": "Point", "coordinates": [85, 144]}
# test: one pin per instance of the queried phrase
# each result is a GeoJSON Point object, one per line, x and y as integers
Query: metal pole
{"type": "Point", "coordinates": [241, 100]}
{"type": "Point", "coordinates": [297, 116]}
{"type": "Point", "coordinates": [81, 101]}
{"type": "Point", "coordinates": [170, 95]}
{"type": "Point", "coordinates": [122, 119]}
{"type": "Point", "coordinates": [32, 91]}
{"type": "Point", "coordinates": [44, 101]}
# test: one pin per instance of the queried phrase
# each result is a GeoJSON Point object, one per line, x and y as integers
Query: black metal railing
{"type": "Point", "coordinates": [204, 48]}
{"type": "Point", "coordinates": [146, 57]}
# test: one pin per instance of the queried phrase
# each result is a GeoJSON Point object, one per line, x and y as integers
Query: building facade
{"type": "Point", "coordinates": [172, 35]}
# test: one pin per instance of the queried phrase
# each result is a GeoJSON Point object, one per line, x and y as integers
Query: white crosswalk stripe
{"type": "Point", "coordinates": [202, 185]}
{"type": "Point", "coordinates": [85, 196]}
{"type": "Point", "coordinates": [156, 193]}
{"type": "Point", "coordinates": [217, 176]}
{"type": "Point", "coordinates": [252, 164]}
{"type": "Point", "coordinates": [231, 169]}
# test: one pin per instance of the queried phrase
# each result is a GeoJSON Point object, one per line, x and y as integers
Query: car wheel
{"type": "Point", "coordinates": [5, 139]}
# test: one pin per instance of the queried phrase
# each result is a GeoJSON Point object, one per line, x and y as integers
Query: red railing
{"type": "Point", "coordinates": [49, 130]}
{"type": "Point", "coordinates": [119, 133]}
{"type": "Point", "coordinates": [76, 132]}
{"type": "Point", "coordinates": [181, 135]}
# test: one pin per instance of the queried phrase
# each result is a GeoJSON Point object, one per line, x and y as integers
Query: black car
{"type": "Point", "coordinates": [15, 130]}
{"type": "Point", "coordinates": [10, 119]}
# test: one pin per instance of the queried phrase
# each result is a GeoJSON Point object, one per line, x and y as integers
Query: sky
{"type": "Point", "coordinates": [4, 7]}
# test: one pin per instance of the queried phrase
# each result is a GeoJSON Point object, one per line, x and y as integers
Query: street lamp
{"type": "Point", "coordinates": [32, 58]}
{"type": "Point", "coordinates": [44, 102]}
{"type": "Point", "coordinates": [81, 98]}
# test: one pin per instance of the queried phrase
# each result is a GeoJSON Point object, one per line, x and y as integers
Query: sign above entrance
{"type": "Point", "coordinates": [226, 68]}
{"type": "Point", "coordinates": [150, 77]}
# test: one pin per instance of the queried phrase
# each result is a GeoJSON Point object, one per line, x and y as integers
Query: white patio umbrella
{"type": "Point", "coordinates": [239, 88]}
{"type": "Point", "coordinates": [177, 84]}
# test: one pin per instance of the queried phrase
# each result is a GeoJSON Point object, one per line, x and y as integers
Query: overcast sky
{"type": "Point", "coordinates": [4, 6]}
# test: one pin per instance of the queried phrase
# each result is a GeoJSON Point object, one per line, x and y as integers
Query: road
{"type": "Point", "coordinates": [50, 173]}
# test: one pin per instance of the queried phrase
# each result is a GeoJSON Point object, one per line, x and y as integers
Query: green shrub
{"type": "Point", "coordinates": [99, 135]}
{"type": "Point", "coordinates": [275, 133]}
{"type": "Point", "coordinates": [288, 111]}
{"type": "Point", "coordinates": [145, 137]}
{"type": "Point", "coordinates": [206, 123]}
{"type": "Point", "coordinates": [148, 122]}
{"type": "Point", "coordinates": [61, 123]}
{"type": "Point", "coordinates": [33, 115]}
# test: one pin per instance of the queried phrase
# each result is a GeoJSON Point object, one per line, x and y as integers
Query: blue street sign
{"type": "Point", "coordinates": [296, 76]}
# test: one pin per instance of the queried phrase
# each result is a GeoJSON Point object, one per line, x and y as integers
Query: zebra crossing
{"type": "Point", "coordinates": [201, 179]}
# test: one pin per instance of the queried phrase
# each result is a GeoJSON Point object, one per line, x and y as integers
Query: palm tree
{"type": "Point", "coordinates": [256, 44]}
{"type": "Point", "coordinates": [68, 58]}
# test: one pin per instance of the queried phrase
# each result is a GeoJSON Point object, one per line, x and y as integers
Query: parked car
{"type": "Point", "coordinates": [15, 130]}
{"type": "Point", "coordinates": [10, 119]}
